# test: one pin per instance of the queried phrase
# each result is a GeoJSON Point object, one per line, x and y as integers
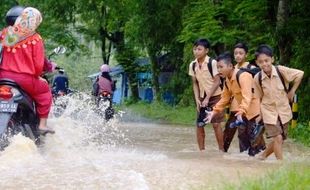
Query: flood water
{"type": "Point", "coordinates": [127, 153]}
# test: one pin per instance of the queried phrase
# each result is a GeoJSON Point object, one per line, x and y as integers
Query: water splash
{"type": "Point", "coordinates": [82, 113]}
{"type": "Point", "coordinates": [87, 152]}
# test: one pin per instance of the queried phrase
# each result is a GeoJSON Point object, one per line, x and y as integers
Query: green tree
{"type": "Point", "coordinates": [157, 24]}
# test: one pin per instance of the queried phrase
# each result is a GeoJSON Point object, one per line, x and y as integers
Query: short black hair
{"type": "Point", "coordinates": [202, 42]}
{"type": "Point", "coordinates": [242, 46]}
{"type": "Point", "coordinates": [226, 57]}
{"type": "Point", "coordinates": [264, 49]}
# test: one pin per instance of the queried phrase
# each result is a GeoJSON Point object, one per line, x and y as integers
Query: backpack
{"type": "Point", "coordinates": [252, 70]}
{"type": "Point", "coordinates": [222, 80]}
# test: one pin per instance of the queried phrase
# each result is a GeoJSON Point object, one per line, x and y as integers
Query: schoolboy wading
{"type": "Point", "coordinates": [206, 89]}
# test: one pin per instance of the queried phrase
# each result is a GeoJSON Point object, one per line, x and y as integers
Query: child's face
{"type": "Point", "coordinates": [200, 51]}
{"type": "Point", "coordinates": [223, 68]}
{"type": "Point", "coordinates": [240, 55]}
{"type": "Point", "coordinates": [265, 62]}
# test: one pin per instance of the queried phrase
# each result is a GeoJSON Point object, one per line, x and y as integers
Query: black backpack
{"type": "Point", "coordinates": [211, 72]}
{"type": "Point", "coordinates": [250, 69]}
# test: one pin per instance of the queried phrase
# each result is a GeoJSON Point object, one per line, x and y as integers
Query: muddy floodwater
{"type": "Point", "coordinates": [127, 153]}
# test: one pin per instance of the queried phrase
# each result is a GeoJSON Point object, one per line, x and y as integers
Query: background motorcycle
{"type": "Point", "coordinates": [60, 101]}
{"type": "Point", "coordinates": [17, 111]}
{"type": "Point", "coordinates": [104, 105]}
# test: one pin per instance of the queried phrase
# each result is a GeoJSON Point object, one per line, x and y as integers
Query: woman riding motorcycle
{"type": "Point", "coordinates": [104, 84]}
{"type": "Point", "coordinates": [23, 60]}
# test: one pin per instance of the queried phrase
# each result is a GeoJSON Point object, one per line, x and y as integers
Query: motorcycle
{"type": "Point", "coordinates": [60, 101]}
{"type": "Point", "coordinates": [104, 105]}
{"type": "Point", "coordinates": [18, 112]}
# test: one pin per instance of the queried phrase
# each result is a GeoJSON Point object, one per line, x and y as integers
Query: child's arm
{"type": "Point", "coordinates": [292, 75]}
{"type": "Point", "coordinates": [215, 86]}
{"type": "Point", "coordinates": [196, 92]}
{"type": "Point", "coordinates": [225, 99]}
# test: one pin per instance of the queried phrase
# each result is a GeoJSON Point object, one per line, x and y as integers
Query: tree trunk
{"type": "Point", "coordinates": [104, 35]}
{"type": "Point", "coordinates": [133, 86]}
{"type": "Point", "coordinates": [155, 74]}
{"type": "Point", "coordinates": [103, 46]}
{"type": "Point", "coordinates": [125, 57]}
{"type": "Point", "coordinates": [285, 39]}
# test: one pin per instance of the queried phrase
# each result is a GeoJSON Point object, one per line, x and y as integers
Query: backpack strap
{"type": "Point", "coordinates": [210, 67]}
{"type": "Point", "coordinates": [241, 70]}
{"type": "Point", "coordinates": [222, 80]}
{"type": "Point", "coordinates": [249, 66]}
{"type": "Point", "coordinates": [281, 78]}
{"type": "Point", "coordinates": [193, 67]}
{"type": "Point", "coordinates": [260, 79]}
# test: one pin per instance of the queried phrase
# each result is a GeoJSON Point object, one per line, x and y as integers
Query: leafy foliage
{"type": "Point", "coordinates": [301, 133]}
{"type": "Point", "coordinates": [289, 177]}
{"type": "Point", "coordinates": [151, 28]}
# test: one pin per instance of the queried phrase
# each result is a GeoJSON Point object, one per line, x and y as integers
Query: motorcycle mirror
{"type": "Point", "coordinates": [60, 50]}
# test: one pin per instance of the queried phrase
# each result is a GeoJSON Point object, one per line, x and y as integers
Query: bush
{"type": "Point", "coordinates": [289, 177]}
{"type": "Point", "coordinates": [301, 133]}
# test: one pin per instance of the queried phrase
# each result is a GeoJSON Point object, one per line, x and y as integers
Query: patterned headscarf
{"type": "Point", "coordinates": [24, 26]}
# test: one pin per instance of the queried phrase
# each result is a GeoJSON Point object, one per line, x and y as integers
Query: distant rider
{"type": "Point", "coordinates": [104, 83]}
{"type": "Point", "coordinates": [60, 83]}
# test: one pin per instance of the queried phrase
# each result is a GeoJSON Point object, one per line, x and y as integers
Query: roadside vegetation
{"type": "Point", "coordinates": [163, 113]}
{"type": "Point", "coordinates": [294, 176]}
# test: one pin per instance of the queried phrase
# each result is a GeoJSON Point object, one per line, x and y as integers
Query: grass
{"type": "Point", "coordinates": [301, 133]}
{"type": "Point", "coordinates": [165, 113]}
{"type": "Point", "coordinates": [289, 177]}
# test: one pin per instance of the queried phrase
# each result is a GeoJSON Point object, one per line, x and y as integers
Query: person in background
{"type": "Point", "coordinates": [23, 60]}
{"type": "Point", "coordinates": [270, 85]}
{"type": "Point", "coordinates": [60, 83]}
{"type": "Point", "coordinates": [207, 91]}
{"type": "Point", "coordinates": [104, 82]}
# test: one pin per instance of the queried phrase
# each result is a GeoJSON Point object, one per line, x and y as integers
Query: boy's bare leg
{"type": "Point", "coordinates": [218, 135]}
{"type": "Point", "coordinates": [201, 138]}
{"type": "Point", "coordinates": [268, 151]}
{"type": "Point", "coordinates": [277, 147]}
